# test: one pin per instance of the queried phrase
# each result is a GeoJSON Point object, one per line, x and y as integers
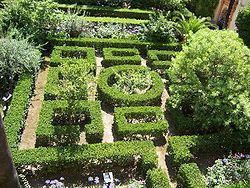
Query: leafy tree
{"type": "Point", "coordinates": [210, 80]}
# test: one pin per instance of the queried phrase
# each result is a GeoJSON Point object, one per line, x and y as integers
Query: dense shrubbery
{"type": "Point", "coordinates": [243, 22]}
{"type": "Point", "coordinates": [31, 17]}
{"type": "Point", "coordinates": [212, 78]}
{"type": "Point", "coordinates": [202, 8]}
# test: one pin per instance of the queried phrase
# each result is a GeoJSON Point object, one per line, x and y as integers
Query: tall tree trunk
{"type": "Point", "coordinates": [8, 174]}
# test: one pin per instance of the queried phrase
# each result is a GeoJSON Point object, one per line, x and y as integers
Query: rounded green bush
{"type": "Point", "coordinates": [114, 96]}
{"type": "Point", "coordinates": [209, 81]}
{"type": "Point", "coordinates": [243, 22]}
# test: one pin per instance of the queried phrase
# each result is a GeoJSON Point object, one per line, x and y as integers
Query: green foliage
{"type": "Point", "coordinates": [189, 176]}
{"type": "Point", "coordinates": [156, 178]}
{"type": "Point", "coordinates": [132, 81]}
{"type": "Point", "coordinates": [160, 28]}
{"type": "Point", "coordinates": [116, 56]}
{"type": "Point", "coordinates": [145, 121]}
{"type": "Point", "coordinates": [212, 78]}
{"type": "Point", "coordinates": [112, 95]}
{"type": "Point", "coordinates": [182, 149]}
{"type": "Point", "coordinates": [243, 22]}
{"type": "Point", "coordinates": [88, 157]}
{"type": "Point", "coordinates": [160, 59]}
{"type": "Point", "coordinates": [15, 117]}
{"type": "Point", "coordinates": [61, 126]}
{"type": "Point", "coordinates": [32, 18]}
{"type": "Point", "coordinates": [17, 57]}
{"type": "Point", "coordinates": [229, 170]}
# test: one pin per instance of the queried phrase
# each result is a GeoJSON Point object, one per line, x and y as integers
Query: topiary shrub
{"type": "Point", "coordinates": [243, 22]}
{"type": "Point", "coordinates": [156, 178]}
{"type": "Point", "coordinates": [210, 82]}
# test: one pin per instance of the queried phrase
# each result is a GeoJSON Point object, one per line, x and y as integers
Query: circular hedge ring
{"type": "Point", "coordinates": [112, 95]}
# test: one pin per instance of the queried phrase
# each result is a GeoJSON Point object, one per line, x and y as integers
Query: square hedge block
{"type": "Point", "coordinates": [121, 56]}
{"type": "Point", "coordinates": [67, 54]}
{"type": "Point", "coordinates": [133, 121]}
{"type": "Point", "coordinates": [57, 127]}
{"type": "Point", "coordinates": [160, 59]}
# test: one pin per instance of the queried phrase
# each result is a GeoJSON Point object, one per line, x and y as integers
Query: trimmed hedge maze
{"type": "Point", "coordinates": [138, 118]}
{"type": "Point", "coordinates": [133, 121]}
{"type": "Point", "coordinates": [113, 96]}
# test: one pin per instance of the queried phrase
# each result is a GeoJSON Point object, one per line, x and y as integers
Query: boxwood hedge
{"type": "Point", "coordinates": [64, 54]}
{"type": "Point", "coordinates": [125, 129]}
{"type": "Point", "coordinates": [49, 133]}
{"type": "Point", "coordinates": [117, 56]}
{"type": "Point", "coordinates": [113, 96]}
{"type": "Point", "coordinates": [156, 178]}
{"type": "Point", "coordinates": [108, 11]}
{"type": "Point", "coordinates": [116, 43]}
{"type": "Point", "coordinates": [182, 149]}
{"type": "Point", "coordinates": [52, 87]}
{"type": "Point", "coordinates": [88, 157]}
{"type": "Point", "coordinates": [159, 4]}
{"type": "Point", "coordinates": [159, 59]}
{"type": "Point", "coordinates": [15, 117]}
{"type": "Point", "coordinates": [189, 176]}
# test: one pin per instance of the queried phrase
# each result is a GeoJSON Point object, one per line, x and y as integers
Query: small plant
{"type": "Point", "coordinates": [232, 169]}
{"type": "Point", "coordinates": [133, 81]}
